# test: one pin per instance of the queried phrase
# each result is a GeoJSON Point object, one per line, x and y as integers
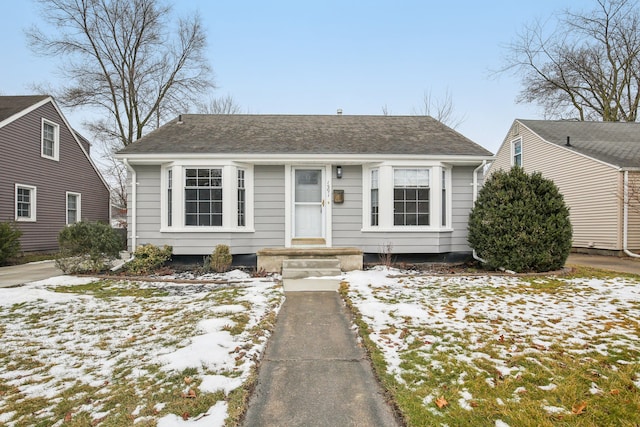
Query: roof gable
{"type": "Point", "coordinates": [615, 143]}
{"type": "Point", "coordinates": [305, 134]}
{"type": "Point", "coordinates": [12, 107]}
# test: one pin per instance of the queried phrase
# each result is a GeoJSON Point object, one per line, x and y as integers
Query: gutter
{"type": "Point", "coordinates": [625, 223]}
{"type": "Point", "coordinates": [133, 204]}
{"type": "Point", "coordinates": [475, 197]}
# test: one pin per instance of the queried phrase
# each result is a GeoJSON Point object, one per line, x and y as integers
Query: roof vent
{"type": "Point", "coordinates": [180, 119]}
{"type": "Point", "coordinates": [568, 144]}
{"type": "Point", "coordinates": [339, 111]}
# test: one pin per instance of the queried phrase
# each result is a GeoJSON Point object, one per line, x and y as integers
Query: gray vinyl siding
{"type": "Point", "coordinates": [347, 219]}
{"type": "Point", "coordinates": [590, 188]}
{"type": "Point", "coordinates": [20, 142]}
{"type": "Point", "coordinates": [268, 217]}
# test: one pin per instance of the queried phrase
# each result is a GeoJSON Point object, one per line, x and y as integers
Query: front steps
{"type": "Point", "coordinates": [304, 274]}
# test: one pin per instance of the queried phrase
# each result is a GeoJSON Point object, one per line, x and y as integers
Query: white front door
{"type": "Point", "coordinates": [308, 203]}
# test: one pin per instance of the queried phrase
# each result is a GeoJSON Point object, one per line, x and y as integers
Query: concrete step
{"type": "Point", "coordinates": [311, 285]}
{"type": "Point", "coordinates": [300, 268]}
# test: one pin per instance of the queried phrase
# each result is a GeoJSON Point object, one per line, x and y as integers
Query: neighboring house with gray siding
{"type": "Point", "coordinates": [293, 181]}
{"type": "Point", "coordinates": [47, 178]}
{"type": "Point", "coordinates": [596, 166]}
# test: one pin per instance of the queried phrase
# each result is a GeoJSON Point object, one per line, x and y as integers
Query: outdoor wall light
{"type": "Point", "coordinates": [339, 172]}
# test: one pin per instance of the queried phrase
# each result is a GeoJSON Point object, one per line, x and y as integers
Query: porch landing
{"type": "Point", "coordinates": [271, 259]}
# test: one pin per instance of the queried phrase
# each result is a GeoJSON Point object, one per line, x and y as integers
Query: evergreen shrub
{"type": "Point", "coordinates": [9, 241]}
{"type": "Point", "coordinates": [148, 258]}
{"type": "Point", "coordinates": [221, 258]}
{"type": "Point", "coordinates": [87, 247]}
{"type": "Point", "coordinates": [520, 222]}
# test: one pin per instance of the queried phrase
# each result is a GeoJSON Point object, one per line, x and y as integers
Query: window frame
{"type": "Point", "coordinates": [33, 199]}
{"type": "Point", "coordinates": [78, 197]}
{"type": "Point", "coordinates": [412, 188]}
{"type": "Point", "coordinates": [386, 197]}
{"type": "Point", "coordinates": [515, 154]}
{"type": "Point", "coordinates": [55, 142]}
{"type": "Point", "coordinates": [229, 197]}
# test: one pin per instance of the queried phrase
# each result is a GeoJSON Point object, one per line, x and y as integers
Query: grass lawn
{"type": "Point", "coordinates": [498, 351]}
{"type": "Point", "coordinates": [81, 351]}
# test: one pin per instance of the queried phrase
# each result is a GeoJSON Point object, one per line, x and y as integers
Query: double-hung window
{"type": "Point", "coordinates": [25, 203]}
{"type": "Point", "coordinates": [375, 204]}
{"type": "Point", "coordinates": [203, 197]}
{"type": "Point", "coordinates": [50, 140]}
{"type": "Point", "coordinates": [411, 195]}
{"type": "Point", "coordinates": [517, 152]}
{"type": "Point", "coordinates": [242, 199]}
{"type": "Point", "coordinates": [73, 208]}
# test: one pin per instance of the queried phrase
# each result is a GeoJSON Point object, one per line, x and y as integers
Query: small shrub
{"type": "Point", "coordinates": [520, 222]}
{"type": "Point", "coordinates": [9, 241]}
{"type": "Point", "coordinates": [148, 258]}
{"type": "Point", "coordinates": [87, 247]}
{"type": "Point", "coordinates": [221, 259]}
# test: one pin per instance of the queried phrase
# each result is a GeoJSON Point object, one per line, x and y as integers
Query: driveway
{"type": "Point", "coordinates": [16, 275]}
{"type": "Point", "coordinates": [612, 263]}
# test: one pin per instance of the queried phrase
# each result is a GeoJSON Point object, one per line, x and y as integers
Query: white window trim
{"type": "Point", "coordinates": [513, 151]}
{"type": "Point", "coordinates": [78, 206]}
{"type": "Point", "coordinates": [229, 199]}
{"type": "Point", "coordinates": [385, 198]}
{"type": "Point", "coordinates": [56, 140]}
{"type": "Point", "coordinates": [32, 217]}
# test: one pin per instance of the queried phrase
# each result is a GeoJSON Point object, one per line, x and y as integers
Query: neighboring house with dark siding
{"type": "Point", "coordinates": [47, 178]}
{"type": "Point", "coordinates": [596, 166]}
{"type": "Point", "coordinates": [374, 183]}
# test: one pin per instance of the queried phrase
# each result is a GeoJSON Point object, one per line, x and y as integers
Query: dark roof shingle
{"type": "Point", "coordinates": [616, 143]}
{"type": "Point", "coordinates": [305, 134]}
{"type": "Point", "coordinates": [10, 105]}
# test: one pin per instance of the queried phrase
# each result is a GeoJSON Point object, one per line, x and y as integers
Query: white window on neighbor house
{"type": "Point", "coordinates": [50, 140]}
{"type": "Point", "coordinates": [25, 197]}
{"type": "Point", "coordinates": [375, 204]}
{"type": "Point", "coordinates": [73, 208]}
{"type": "Point", "coordinates": [516, 149]}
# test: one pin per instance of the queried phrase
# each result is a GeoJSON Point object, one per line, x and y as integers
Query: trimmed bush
{"type": "Point", "coordinates": [220, 259]}
{"type": "Point", "coordinates": [87, 247]}
{"type": "Point", "coordinates": [520, 222]}
{"type": "Point", "coordinates": [9, 241]}
{"type": "Point", "coordinates": [148, 258]}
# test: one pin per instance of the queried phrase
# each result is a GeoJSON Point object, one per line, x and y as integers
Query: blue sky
{"type": "Point", "coordinates": [313, 57]}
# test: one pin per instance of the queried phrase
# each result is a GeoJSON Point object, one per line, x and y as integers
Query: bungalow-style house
{"type": "Point", "coordinates": [595, 165]}
{"type": "Point", "coordinates": [303, 182]}
{"type": "Point", "coordinates": [47, 178]}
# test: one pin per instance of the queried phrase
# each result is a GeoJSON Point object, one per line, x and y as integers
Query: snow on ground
{"type": "Point", "coordinates": [445, 317]}
{"type": "Point", "coordinates": [53, 341]}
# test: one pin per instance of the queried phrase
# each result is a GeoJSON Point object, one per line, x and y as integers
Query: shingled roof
{"type": "Point", "coordinates": [10, 105]}
{"type": "Point", "coordinates": [305, 134]}
{"type": "Point", "coordinates": [615, 143]}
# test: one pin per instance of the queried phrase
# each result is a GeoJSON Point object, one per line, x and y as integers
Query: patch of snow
{"type": "Point", "coordinates": [213, 383]}
{"type": "Point", "coordinates": [555, 410]}
{"type": "Point", "coordinates": [214, 417]}
{"type": "Point", "coordinates": [548, 387]}
{"type": "Point", "coordinates": [500, 423]}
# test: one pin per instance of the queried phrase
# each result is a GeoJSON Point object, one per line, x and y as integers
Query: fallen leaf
{"type": "Point", "coordinates": [67, 417]}
{"type": "Point", "coordinates": [615, 392]}
{"type": "Point", "coordinates": [501, 339]}
{"type": "Point", "coordinates": [185, 416]}
{"type": "Point", "coordinates": [188, 380]}
{"type": "Point", "coordinates": [191, 394]}
{"type": "Point", "coordinates": [473, 404]}
{"type": "Point", "coordinates": [579, 408]}
{"type": "Point", "coordinates": [441, 402]}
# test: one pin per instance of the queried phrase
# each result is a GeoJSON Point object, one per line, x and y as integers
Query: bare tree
{"type": "Point", "coordinates": [587, 67]}
{"type": "Point", "coordinates": [120, 57]}
{"type": "Point", "coordinates": [221, 105]}
{"type": "Point", "coordinates": [441, 109]}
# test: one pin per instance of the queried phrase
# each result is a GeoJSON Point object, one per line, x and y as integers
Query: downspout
{"type": "Point", "coordinates": [133, 204]}
{"type": "Point", "coordinates": [625, 221]}
{"type": "Point", "coordinates": [475, 197]}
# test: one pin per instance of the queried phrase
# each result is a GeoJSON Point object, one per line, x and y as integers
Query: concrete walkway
{"type": "Point", "coordinates": [314, 373]}
{"type": "Point", "coordinates": [15, 275]}
{"type": "Point", "coordinates": [612, 263]}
